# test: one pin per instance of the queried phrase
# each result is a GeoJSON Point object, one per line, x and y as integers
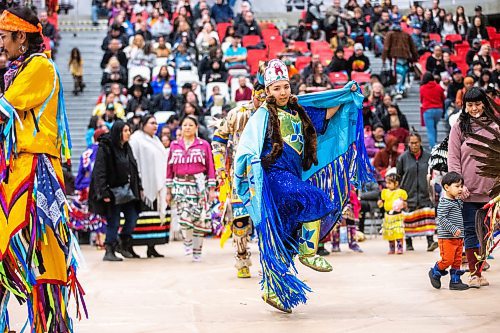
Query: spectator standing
{"type": "Point", "coordinates": [399, 47]}
{"type": "Point", "coordinates": [115, 168]}
{"type": "Point", "coordinates": [151, 159]}
{"type": "Point", "coordinates": [412, 167]}
{"type": "Point", "coordinates": [393, 200]}
{"type": "Point", "coordinates": [76, 69]}
{"type": "Point", "coordinates": [476, 188]}
{"type": "Point", "coordinates": [191, 185]}
{"type": "Point", "coordinates": [432, 104]}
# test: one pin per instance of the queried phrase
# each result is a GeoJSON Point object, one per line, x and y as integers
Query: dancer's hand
{"type": "Point", "coordinates": [457, 233]}
{"type": "Point", "coordinates": [354, 88]}
{"type": "Point", "coordinates": [107, 199]}
{"type": "Point", "coordinates": [169, 198]}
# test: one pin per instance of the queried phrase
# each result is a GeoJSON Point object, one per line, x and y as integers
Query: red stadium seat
{"type": "Point", "coordinates": [455, 38]}
{"type": "Point", "coordinates": [338, 78]}
{"type": "Point", "coordinates": [250, 40]}
{"type": "Point", "coordinates": [275, 48]}
{"type": "Point", "coordinates": [253, 58]}
{"type": "Point", "coordinates": [221, 29]}
{"type": "Point", "coordinates": [325, 56]}
{"type": "Point", "coordinates": [302, 62]}
{"type": "Point", "coordinates": [435, 37]}
{"type": "Point", "coordinates": [491, 31]}
{"type": "Point", "coordinates": [360, 77]}
{"type": "Point", "coordinates": [461, 49]}
{"type": "Point", "coordinates": [319, 45]}
{"type": "Point", "coordinates": [301, 46]}
{"type": "Point", "coordinates": [273, 39]}
{"type": "Point", "coordinates": [267, 33]}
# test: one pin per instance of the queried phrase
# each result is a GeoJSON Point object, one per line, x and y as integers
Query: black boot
{"type": "Point", "coordinates": [152, 253]}
{"type": "Point", "coordinates": [322, 251]}
{"type": "Point", "coordinates": [409, 244]}
{"type": "Point", "coordinates": [125, 248]}
{"type": "Point", "coordinates": [431, 244]}
{"type": "Point", "coordinates": [435, 276]}
{"type": "Point", "coordinates": [110, 253]}
{"type": "Point", "coordinates": [455, 281]}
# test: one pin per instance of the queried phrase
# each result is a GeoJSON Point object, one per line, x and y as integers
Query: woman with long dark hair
{"type": "Point", "coordinates": [460, 159]}
{"type": "Point", "coordinates": [76, 68]}
{"type": "Point", "coordinates": [151, 159]}
{"type": "Point", "coordinates": [36, 245]}
{"type": "Point", "coordinates": [116, 188]}
{"type": "Point", "coordinates": [280, 148]}
{"type": "Point", "coordinates": [191, 185]}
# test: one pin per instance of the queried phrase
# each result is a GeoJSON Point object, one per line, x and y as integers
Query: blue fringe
{"type": "Point", "coordinates": [279, 274]}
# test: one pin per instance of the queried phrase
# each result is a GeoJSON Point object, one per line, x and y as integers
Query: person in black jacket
{"type": "Point", "coordinates": [115, 166]}
{"type": "Point", "coordinates": [338, 63]}
{"type": "Point", "coordinates": [114, 50]}
{"type": "Point", "coordinates": [137, 99]}
{"type": "Point", "coordinates": [249, 26]}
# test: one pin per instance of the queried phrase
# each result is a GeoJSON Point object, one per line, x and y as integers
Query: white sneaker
{"type": "Point", "coordinates": [188, 250]}
{"type": "Point", "coordinates": [196, 257]}
{"type": "Point", "coordinates": [474, 282]}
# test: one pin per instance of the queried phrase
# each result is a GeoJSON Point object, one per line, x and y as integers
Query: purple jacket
{"type": "Point", "coordinates": [84, 175]}
{"type": "Point", "coordinates": [373, 147]}
{"type": "Point", "coordinates": [461, 161]}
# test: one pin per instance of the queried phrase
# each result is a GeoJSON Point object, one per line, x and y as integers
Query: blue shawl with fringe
{"type": "Point", "coordinates": [342, 161]}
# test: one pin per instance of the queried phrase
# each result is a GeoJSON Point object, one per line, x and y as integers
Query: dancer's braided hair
{"type": "Point", "coordinates": [274, 132]}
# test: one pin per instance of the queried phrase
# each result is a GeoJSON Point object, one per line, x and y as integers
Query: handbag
{"type": "Point", "coordinates": [123, 194]}
{"type": "Point", "coordinates": [388, 75]}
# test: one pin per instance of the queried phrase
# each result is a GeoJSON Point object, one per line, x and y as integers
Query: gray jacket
{"type": "Point", "coordinates": [413, 175]}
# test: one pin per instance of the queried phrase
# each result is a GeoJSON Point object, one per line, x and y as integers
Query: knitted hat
{"type": "Point", "coordinates": [275, 71]}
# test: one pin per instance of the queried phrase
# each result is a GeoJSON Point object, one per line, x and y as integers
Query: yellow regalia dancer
{"type": "Point", "coordinates": [224, 144]}
{"type": "Point", "coordinates": [37, 250]}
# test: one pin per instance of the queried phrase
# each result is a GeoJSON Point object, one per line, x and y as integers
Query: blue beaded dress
{"type": "Point", "coordinates": [282, 196]}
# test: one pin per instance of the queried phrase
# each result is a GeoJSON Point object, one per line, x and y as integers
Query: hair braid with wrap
{"type": "Point", "coordinates": [274, 132]}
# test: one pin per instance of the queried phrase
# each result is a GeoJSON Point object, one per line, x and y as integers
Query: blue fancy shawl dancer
{"type": "Point", "coordinates": [295, 163]}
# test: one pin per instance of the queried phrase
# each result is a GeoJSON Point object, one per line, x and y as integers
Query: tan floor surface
{"type": "Point", "coordinates": [369, 292]}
